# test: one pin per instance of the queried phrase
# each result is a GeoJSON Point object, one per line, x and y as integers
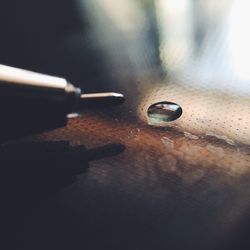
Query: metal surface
{"type": "Point", "coordinates": [100, 99]}
{"type": "Point", "coordinates": [164, 187]}
{"type": "Point", "coordinates": [184, 184]}
{"type": "Point", "coordinates": [193, 53]}
{"type": "Point", "coordinates": [179, 185]}
{"type": "Point", "coordinates": [28, 78]}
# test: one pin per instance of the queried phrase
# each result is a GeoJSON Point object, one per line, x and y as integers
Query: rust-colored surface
{"type": "Point", "coordinates": [182, 185]}
{"type": "Point", "coordinates": [165, 186]}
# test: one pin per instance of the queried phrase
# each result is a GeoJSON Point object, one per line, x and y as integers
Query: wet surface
{"type": "Point", "coordinates": [183, 184]}
{"type": "Point", "coordinates": [165, 185]}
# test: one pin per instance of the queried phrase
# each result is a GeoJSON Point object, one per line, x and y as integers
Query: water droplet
{"type": "Point", "coordinates": [167, 142]}
{"type": "Point", "coordinates": [133, 133]}
{"type": "Point", "coordinates": [215, 150]}
{"type": "Point", "coordinates": [221, 137]}
{"type": "Point", "coordinates": [163, 112]}
{"type": "Point", "coordinates": [191, 136]}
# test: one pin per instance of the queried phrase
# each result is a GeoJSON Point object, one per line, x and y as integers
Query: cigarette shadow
{"type": "Point", "coordinates": [32, 171]}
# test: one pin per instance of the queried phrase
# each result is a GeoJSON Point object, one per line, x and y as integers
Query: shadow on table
{"type": "Point", "coordinates": [31, 172]}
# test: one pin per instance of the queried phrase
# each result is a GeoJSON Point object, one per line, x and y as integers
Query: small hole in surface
{"type": "Point", "coordinates": [161, 112]}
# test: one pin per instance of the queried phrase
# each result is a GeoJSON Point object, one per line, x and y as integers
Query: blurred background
{"type": "Point", "coordinates": [192, 52]}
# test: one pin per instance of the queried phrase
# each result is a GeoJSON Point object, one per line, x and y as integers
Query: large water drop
{"type": "Point", "coordinates": [163, 112]}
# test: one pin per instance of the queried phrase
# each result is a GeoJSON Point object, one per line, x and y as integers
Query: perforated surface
{"type": "Point", "coordinates": [180, 185]}
{"type": "Point", "coordinates": [204, 112]}
{"type": "Point", "coordinates": [194, 53]}
{"type": "Point", "coordinates": [177, 186]}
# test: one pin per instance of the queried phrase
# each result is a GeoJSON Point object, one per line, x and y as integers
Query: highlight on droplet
{"type": "Point", "coordinates": [162, 112]}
